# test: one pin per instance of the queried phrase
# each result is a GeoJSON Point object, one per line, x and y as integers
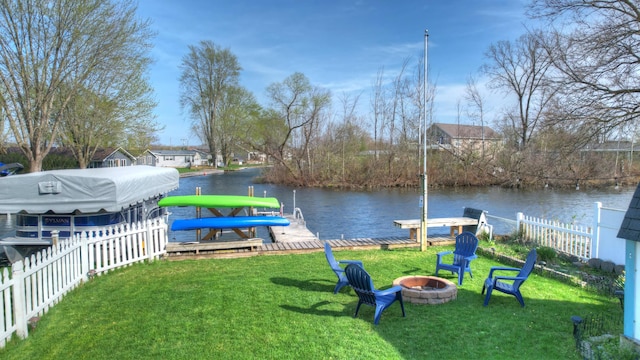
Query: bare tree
{"type": "Point", "coordinates": [520, 70]}
{"type": "Point", "coordinates": [379, 109]}
{"type": "Point", "coordinates": [49, 51]}
{"type": "Point", "coordinates": [400, 113]}
{"type": "Point", "coordinates": [208, 73]}
{"type": "Point", "coordinates": [347, 132]}
{"type": "Point", "coordinates": [300, 107]}
{"type": "Point", "coordinates": [476, 108]}
{"type": "Point", "coordinates": [598, 58]}
{"type": "Point", "coordinates": [3, 122]}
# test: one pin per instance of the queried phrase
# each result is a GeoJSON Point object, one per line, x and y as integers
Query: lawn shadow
{"type": "Point", "coordinates": [316, 309]}
{"type": "Point", "coordinates": [321, 285]}
{"type": "Point", "coordinates": [413, 271]}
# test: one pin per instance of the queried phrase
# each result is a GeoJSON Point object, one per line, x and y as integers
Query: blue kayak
{"type": "Point", "coordinates": [228, 222]}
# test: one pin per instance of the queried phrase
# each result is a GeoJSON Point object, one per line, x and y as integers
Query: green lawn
{"type": "Point", "coordinates": [283, 307]}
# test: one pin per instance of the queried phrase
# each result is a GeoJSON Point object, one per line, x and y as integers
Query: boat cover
{"type": "Point", "coordinates": [84, 190]}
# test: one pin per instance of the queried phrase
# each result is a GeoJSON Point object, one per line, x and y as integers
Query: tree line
{"type": "Point", "coordinates": [569, 86]}
{"type": "Point", "coordinates": [73, 75]}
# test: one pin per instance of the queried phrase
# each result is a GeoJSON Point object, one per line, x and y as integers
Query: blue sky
{"type": "Point", "coordinates": [338, 45]}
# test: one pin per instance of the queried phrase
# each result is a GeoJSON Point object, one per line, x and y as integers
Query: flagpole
{"type": "Point", "coordinates": [423, 218]}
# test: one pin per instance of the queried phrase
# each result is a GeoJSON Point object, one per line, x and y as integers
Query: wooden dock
{"type": "Point", "coordinates": [176, 251]}
{"type": "Point", "coordinates": [295, 232]}
{"type": "Point", "coordinates": [293, 239]}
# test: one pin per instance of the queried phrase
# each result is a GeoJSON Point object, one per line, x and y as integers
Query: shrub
{"type": "Point", "coordinates": [484, 236]}
{"type": "Point", "coordinates": [519, 249]}
{"type": "Point", "coordinates": [547, 254]}
{"type": "Point", "coordinates": [611, 348]}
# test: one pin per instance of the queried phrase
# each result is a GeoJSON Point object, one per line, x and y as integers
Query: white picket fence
{"type": "Point", "coordinates": [567, 238]}
{"type": "Point", "coordinates": [596, 241]}
{"type": "Point", "coordinates": [39, 282]}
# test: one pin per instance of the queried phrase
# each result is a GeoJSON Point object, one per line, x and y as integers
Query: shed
{"type": "Point", "coordinates": [630, 231]}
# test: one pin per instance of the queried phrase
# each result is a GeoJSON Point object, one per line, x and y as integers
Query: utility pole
{"type": "Point", "coordinates": [423, 218]}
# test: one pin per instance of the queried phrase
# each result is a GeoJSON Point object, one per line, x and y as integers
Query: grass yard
{"type": "Point", "coordinates": [283, 307]}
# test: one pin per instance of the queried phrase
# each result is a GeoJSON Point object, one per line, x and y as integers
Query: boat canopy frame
{"type": "Point", "coordinates": [73, 191]}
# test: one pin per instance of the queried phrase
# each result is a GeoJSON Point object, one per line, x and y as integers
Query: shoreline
{"type": "Point", "coordinates": [201, 173]}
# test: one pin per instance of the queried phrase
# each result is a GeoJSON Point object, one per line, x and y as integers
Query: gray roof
{"type": "Point", "coordinates": [84, 190]}
{"type": "Point", "coordinates": [103, 154]}
{"type": "Point", "coordinates": [630, 228]}
{"type": "Point", "coordinates": [178, 152]}
{"type": "Point", "coordinates": [458, 131]}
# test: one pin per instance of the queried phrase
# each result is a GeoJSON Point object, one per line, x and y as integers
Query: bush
{"type": "Point", "coordinates": [547, 254]}
{"type": "Point", "coordinates": [14, 157]}
{"type": "Point", "coordinates": [484, 236]}
{"type": "Point", "coordinates": [519, 249]}
{"type": "Point", "coordinates": [611, 348]}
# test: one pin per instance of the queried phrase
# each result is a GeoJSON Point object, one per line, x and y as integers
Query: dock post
{"type": "Point", "coordinates": [198, 215]}
{"type": "Point", "coordinates": [251, 231]}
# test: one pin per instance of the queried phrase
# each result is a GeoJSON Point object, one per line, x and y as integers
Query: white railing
{"type": "Point", "coordinates": [297, 215]}
{"type": "Point", "coordinates": [39, 282]}
{"type": "Point", "coordinates": [597, 241]}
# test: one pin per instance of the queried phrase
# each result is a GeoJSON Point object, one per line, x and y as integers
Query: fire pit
{"type": "Point", "coordinates": [431, 290]}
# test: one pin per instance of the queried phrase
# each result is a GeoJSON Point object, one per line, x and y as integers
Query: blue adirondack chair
{"type": "Point", "coordinates": [465, 251]}
{"type": "Point", "coordinates": [337, 269]}
{"type": "Point", "coordinates": [509, 284]}
{"type": "Point", "coordinates": [362, 284]}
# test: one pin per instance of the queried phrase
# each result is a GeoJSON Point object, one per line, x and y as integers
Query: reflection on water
{"type": "Point", "coordinates": [334, 214]}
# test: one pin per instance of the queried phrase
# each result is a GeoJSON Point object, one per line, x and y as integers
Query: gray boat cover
{"type": "Point", "coordinates": [84, 190]}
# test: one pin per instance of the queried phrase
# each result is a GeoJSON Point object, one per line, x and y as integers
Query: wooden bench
{"type": "Point", "coordinates": [454, 223]}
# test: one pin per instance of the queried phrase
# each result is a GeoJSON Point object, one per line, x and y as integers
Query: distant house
{"type": "Point", "coordinates": [178, 158]}
{"type": "Point", "coordinates": [203, 158]}
{"type": "Point", "coordinates": [111, 157]}
{"type": "Point", "coordinates": [146, 158]}
{"type": "Point", "coordinates": [256, 157]}
{"type": "Point", "coordinates": [456, 136]}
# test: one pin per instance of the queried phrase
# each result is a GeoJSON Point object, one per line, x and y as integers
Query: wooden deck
{"type": "Point", "coordinates": [201, 251]}
{"type": "Point", "coordinates": [296, 231]}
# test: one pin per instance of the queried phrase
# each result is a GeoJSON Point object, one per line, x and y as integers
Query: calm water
{"type": "Point", "coordinates": [333, 214]}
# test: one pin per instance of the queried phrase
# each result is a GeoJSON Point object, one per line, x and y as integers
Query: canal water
{"type": "Point", "coordinates": [335, 214]}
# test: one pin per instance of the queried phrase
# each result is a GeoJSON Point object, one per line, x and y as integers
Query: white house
{"type": "Point", "coordinates": [179, 158]}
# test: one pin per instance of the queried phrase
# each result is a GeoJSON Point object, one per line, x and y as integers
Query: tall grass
{"type": "Point", "coordinates": [283, 307]}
